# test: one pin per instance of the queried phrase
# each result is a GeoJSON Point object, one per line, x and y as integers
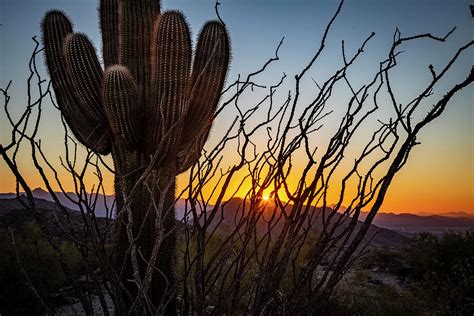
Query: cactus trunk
{"type": "Point", "coordinates": [134, 198]}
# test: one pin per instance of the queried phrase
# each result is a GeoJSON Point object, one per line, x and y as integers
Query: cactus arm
{"type": "Point", "coordinates": [209, 73]}
{"type": "Point", "coordinates": [189, 155]}
{"type": "Point", "coordinates": [109, 24]}
{"type": "Point", "coordinates": [121, 104]}
{"type": "Point", "coordinates": [55, 27]}
{"type": "Point", "coordinates": [85, 73]}
{"type": "Point", "coordinates": [205, 85]}
{"type": "Point", "coordinates": [171, 68]}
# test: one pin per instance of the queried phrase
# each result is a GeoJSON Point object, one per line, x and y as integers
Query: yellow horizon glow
{"type": "Point", "coordinates": [423, 186]}
{"type": "Point", "coordinates": [407, 195]}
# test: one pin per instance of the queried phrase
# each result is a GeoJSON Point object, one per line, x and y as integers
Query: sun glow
{"type": "Point", "coordinates": [267, 196]}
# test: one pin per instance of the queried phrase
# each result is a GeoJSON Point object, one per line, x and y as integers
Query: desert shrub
{"type": "Point", "coordinates": [372, 300]}
{"type": "Point", "coordinates": [443, 275]}
{"type": "Point", "coordinates": [384, 259]}
{"type": "Point", "coordinates": [32, 259]}
{"type": "Point", "coordinates": [357, 296]}
{"type": "Point", "coordinates": [37, 259]}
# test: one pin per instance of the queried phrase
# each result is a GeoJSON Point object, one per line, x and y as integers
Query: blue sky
{"type": "Point", "coordinates": [256, 27]}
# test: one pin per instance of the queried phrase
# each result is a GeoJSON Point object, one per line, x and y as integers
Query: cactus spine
{"type": "Point", "coordinates": [137, 109]}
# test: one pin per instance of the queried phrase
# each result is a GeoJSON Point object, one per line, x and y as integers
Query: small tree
{"type": "Point", "coordinates": [250, 255]}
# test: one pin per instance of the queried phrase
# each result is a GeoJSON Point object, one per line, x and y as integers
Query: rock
{"type": "Point", "coordinates": [210, 309]}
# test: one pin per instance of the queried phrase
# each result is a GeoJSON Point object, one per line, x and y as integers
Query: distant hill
{"type": "Point", "coordinates": [410, 223]}
{"type": "Point", "coordinates": [231, 213]}
{"type": "Point", "coordinates": [58, 222]}
{"type": "Point", "coordinates": [13, 214]}
{"type": "Point", "coordinates": [449, 214]}
{"type": "Point", "coordinates": [406, 224]}
{"type": "Point", "coordinates": [103, 203]}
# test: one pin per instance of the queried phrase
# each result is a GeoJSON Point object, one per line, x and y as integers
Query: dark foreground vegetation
{"type": "Point", "coordinates": [428, 275]}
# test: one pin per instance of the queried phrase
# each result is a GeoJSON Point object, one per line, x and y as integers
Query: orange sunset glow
{"type": "Point", "coordinates": [448, 190]}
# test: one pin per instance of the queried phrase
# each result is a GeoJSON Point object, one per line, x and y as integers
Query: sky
{"type": "Point", "coordinates": [439, 177]}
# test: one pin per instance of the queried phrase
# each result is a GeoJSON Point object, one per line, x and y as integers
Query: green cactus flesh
{"type": "Point", "coordinates": [136, 109]}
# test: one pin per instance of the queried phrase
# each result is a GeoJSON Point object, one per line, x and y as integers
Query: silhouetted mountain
{"type": "Point", "coordinates": [13, 214]}
{"type": "Point", "coordinates": [410, 223]}
{"type": "Point", "coordinates": [10, 205]}
{"type": "Point", "coordinates": [411, 220]}
{"type": "Point", "coordinates": [449, 214]}
{"type": "Point", "coordinates": [405, 223]}
{"type": "Point", "coordinates": [232, 212]}
{"type": "Point", "coordinates": [57, 222]}
{"type": "Point", "coordinates": [103, 204]}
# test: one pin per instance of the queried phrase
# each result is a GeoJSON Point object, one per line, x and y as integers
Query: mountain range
{"type": "Point", "coordinates": [234, 212]}
{"type": "Point", "coordinates": [13, 214]}
{"type": "Point", "coordinates": [411, 223]}
{"type": "Point", "coordinates": [58, 222]}
{"type": "Point", "coordinates": [103, 203]}
{"type": "Point", "coordinates": [404, 223]}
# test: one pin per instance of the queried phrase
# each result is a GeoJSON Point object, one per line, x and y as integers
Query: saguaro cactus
{"type": "Point", "coordinates": [151, 110]}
